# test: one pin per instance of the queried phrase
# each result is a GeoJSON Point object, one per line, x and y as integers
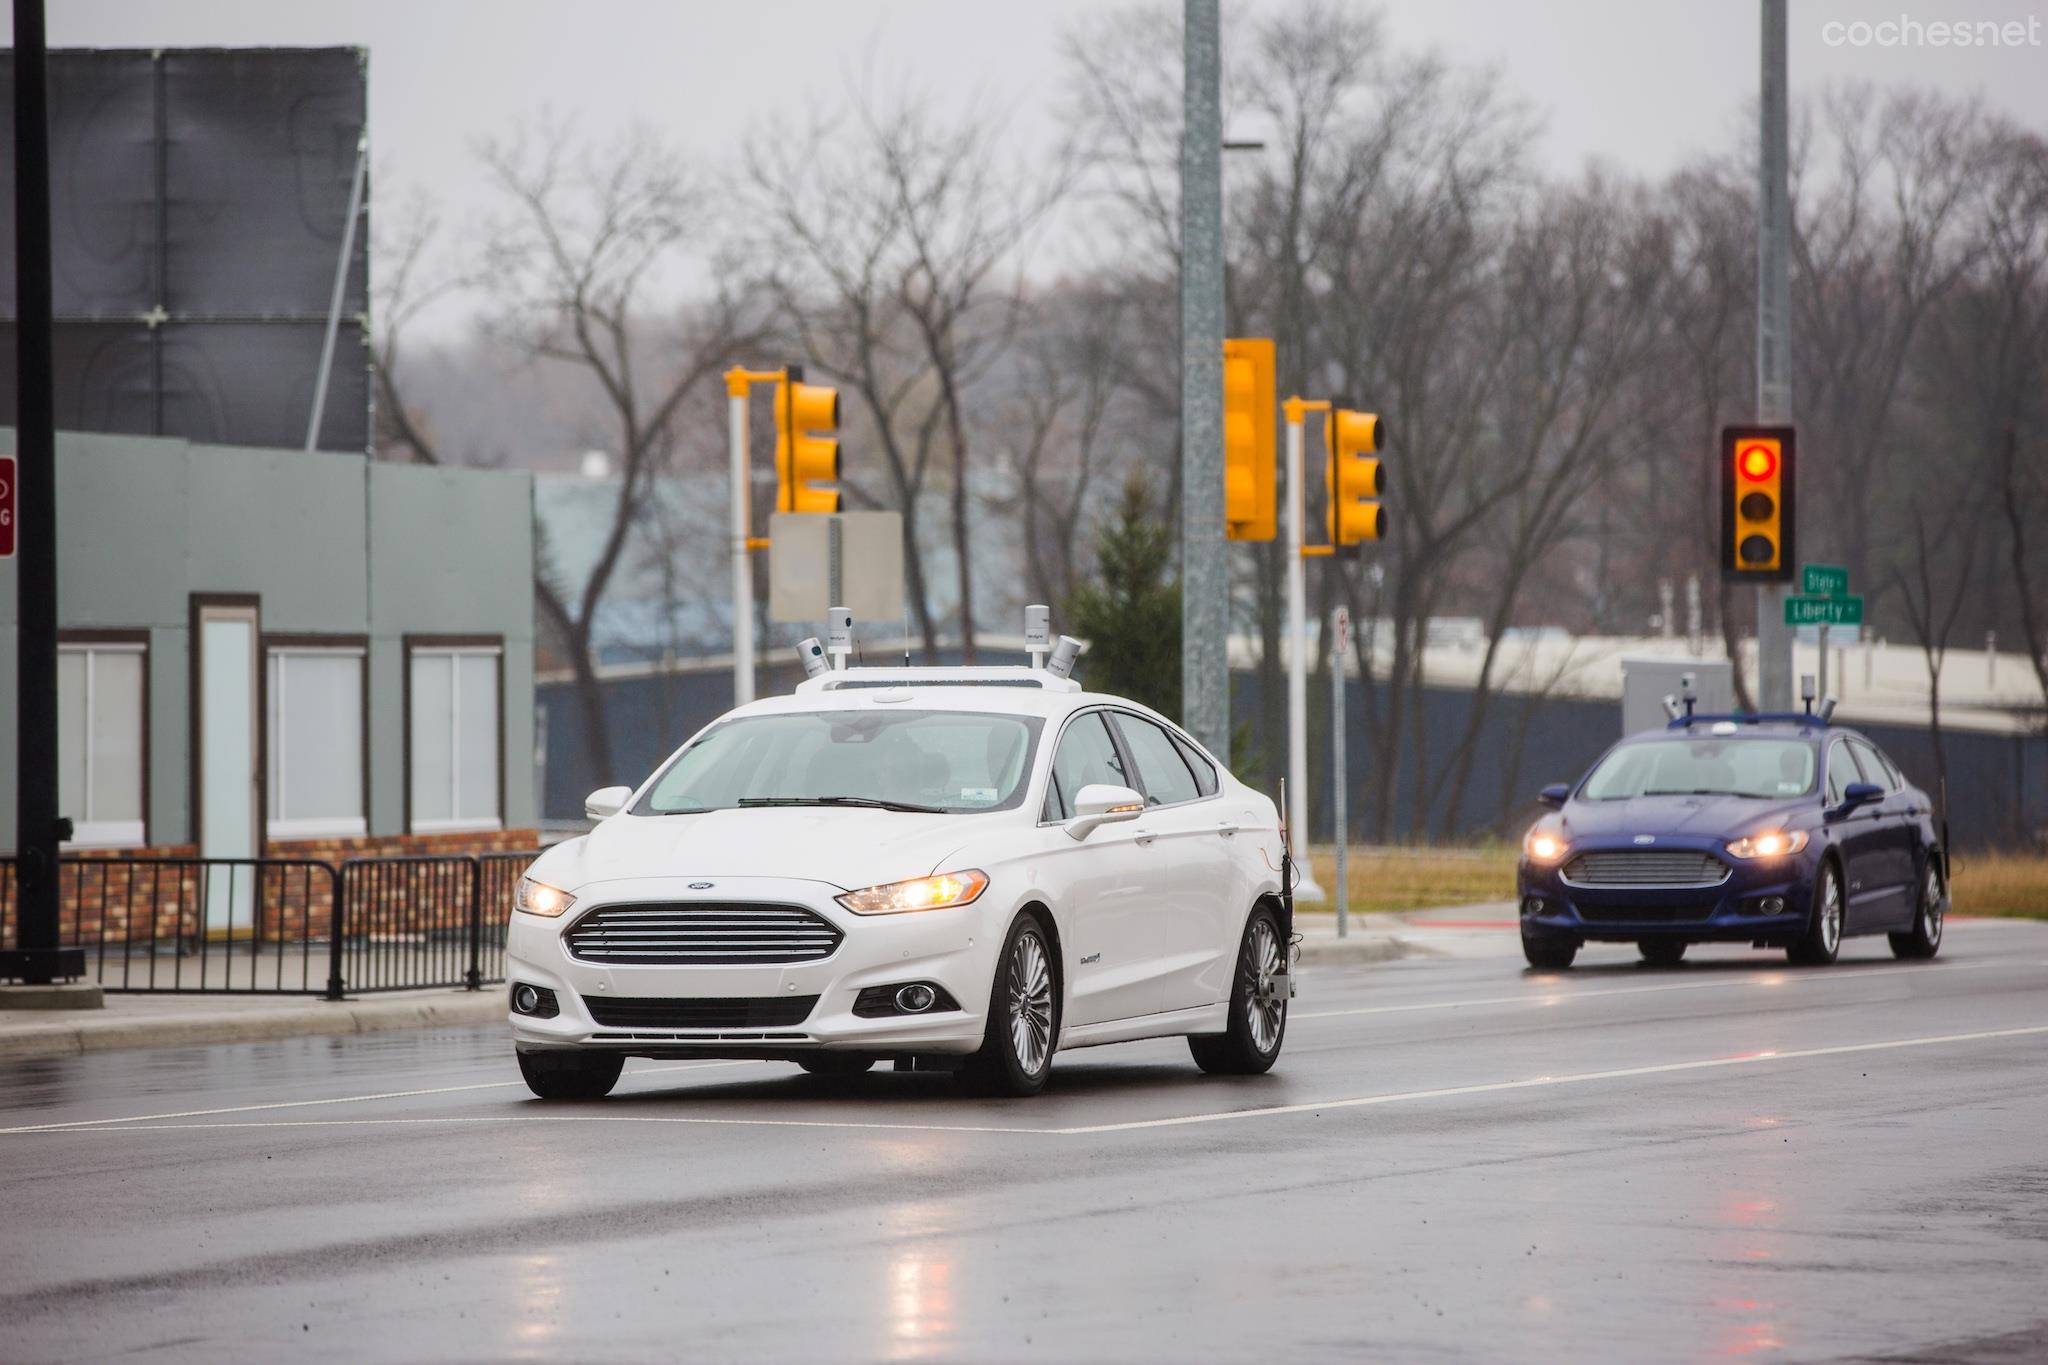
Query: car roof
{"type": "Point", "coordinates": [995, 699]}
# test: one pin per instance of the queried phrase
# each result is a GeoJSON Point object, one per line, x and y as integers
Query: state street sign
{"type": "Point", "coordinates": [1824, 611]}
{"type": "Point", "coordinates": [6, 507]}
{"type": "Point", "coordinates": [1824, 580]}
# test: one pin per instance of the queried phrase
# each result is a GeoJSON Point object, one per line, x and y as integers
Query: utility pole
{"type": "Point", "coordinates": [37, 959]}
{"type": "Point", "coordinates": [1773, 333]}
{"type": "Point", "coordinates": [1204, 567]}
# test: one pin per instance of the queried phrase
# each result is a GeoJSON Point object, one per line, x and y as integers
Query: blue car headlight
{"type": "Point", "coordinates": [1771, 843]}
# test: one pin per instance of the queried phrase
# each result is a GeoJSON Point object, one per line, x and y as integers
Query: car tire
{"type": "Point", "coordinates": [1549, 952]}
{"type": "Point", "coordinates": [1923, 940]}
{"type": "Point", "coordinates": [1251, 1041]}
{"type": "Point", "coordinates": [1662, 952]}
{"type": "Point", "coordinates": [571, 1075]}
{"type": "Point", "coordinates": [1023, 1026]}
{"type": "Point", "coordinates": [836, 1063]}
{"type": "Point", "coordinates": [1822, 941]}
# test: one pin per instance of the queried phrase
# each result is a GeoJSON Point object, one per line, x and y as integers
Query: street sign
{"type": "Point", "coordinates": [1824, 580]}
{"type": "Point", "coordinates": [1824, 611]}
{"type": "Point", "coordinates": [6, 507]}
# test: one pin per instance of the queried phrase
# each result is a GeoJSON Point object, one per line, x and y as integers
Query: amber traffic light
{"type": "Point", "coordinates": [1250, 507]}
{"type": "Point", "coordinates": [1757, 465]}
{"type": "Point", "coordinates": [806, 445]}
{"type": "Point", "coordinates": [1351, 477]}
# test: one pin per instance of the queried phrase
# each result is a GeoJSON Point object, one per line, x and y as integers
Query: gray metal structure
{"type": "Point", "coordinates": [1204, 565]}
{"type": "Point", "coordinates": [1773, 332]}
{"type": "Point", "coordinates": [201, 200]}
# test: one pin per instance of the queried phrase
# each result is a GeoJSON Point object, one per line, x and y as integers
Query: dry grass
{"type": "Point", "coordinates": [1393, 879]}
{"type": "Point", "coordinates": [2001, 884]}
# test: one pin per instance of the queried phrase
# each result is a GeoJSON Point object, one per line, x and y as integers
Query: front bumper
{"type": "Point", "coordinates": [954, 949]}
{"type": "Point", "coordinates": [1738, 910]}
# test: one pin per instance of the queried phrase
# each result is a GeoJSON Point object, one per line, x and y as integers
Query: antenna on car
{"type": "Point", "coordinates": [1806, 691]}
{"type": "Point", "coordinates": [1827, 709]}
{"type": "Point", "coordinates": [1064, 654]}
{"type": "Point", "coordinates": [812, 655]}
{"type": "Point", "coordinates": [1688, 688]}
{"type": "Point", "coordinates": [1037, 633]}
{"type": "Point", "coordinates": [1671, 708]}
{"type": "Point", "coordinates": [839, 634]}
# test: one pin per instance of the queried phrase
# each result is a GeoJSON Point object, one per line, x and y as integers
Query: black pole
{"type": "Point", "coordinates": [36, 959]}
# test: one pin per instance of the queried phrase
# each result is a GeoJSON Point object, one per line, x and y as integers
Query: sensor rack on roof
{"type": "Point", "coordinates": [996, 676]}
{"type": "Point", "coordinates": [1805, 720]}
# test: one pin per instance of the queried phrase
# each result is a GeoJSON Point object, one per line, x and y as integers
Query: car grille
{"type": "Point", "coordinates": [739, 1011]}
{"type": "Point", "coordinates": [1646, 867]}
{"type": "Point", "coordinates": [1644, 914]}
{"type": "Point", "coordinates": [700, 934]}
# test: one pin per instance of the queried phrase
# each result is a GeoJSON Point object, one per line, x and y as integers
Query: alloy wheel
{"type": "Point", "coordinates": [1030, 991]}
{"type": "Point", "coordinates": [1831, 913]}
{"type": "Point", "coordinates": [1264, 1011]}
{"type": "Point", "coordinates": [1930, 904]}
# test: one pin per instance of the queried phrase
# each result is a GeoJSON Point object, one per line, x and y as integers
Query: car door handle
{"type": "Point", "coordinates": [1142, 837]}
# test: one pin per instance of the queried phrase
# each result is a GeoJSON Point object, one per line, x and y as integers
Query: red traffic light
{"type": "Point", "coordinates": [1757, 462]}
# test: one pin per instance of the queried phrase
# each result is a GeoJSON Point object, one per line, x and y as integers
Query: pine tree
{"type": "Point", "coordinates": [1130, 613]}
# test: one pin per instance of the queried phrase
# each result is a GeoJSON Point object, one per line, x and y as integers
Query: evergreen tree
{"type": "Point", "coordinates": [1130, 613]}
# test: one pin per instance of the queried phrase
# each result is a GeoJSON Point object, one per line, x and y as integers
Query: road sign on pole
{"type": "Point", "coordinates": [1824, 580]}
{"type": "Point", "coordinates": [1824, 611]}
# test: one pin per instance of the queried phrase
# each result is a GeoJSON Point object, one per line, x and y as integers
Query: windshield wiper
{"type": "Point", "coordinates": [871, 802]}
{"type": "Point", "coordinates": [1694, 791]}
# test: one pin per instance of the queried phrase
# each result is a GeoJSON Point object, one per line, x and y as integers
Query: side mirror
{"type": "Point", "coordinates": [1100, 803]}
{"type": "Point", "coordinates": [1861, 794]}
{"type": "Point", "coordinates": [1554, 795]}
{"type": "Point", "coordinates": [606, 802]}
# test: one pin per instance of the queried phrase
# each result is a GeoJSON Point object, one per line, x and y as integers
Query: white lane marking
{"type": "Point", "coordinates": [338, 1099]}
{"type": "Point", "coordinates": [1270, 1111]}
{"type": "Point", "coordinates": [1575, 1078]}
{"type": "Point", "coordinates": [1774, 980]}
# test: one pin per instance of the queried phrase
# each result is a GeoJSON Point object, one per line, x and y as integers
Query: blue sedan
{"type": "Point", "coordinates": [1781, 832]}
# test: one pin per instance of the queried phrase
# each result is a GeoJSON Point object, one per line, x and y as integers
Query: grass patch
{"type": "Point", "coordinates": [1393, 879]}
{"type": "Point", "coordinates": [2013, 884]}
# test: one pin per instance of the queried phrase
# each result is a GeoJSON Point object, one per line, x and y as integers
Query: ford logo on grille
{"type": "Point", "coordinates": [702, 886]}
{"type": "Point", "coordinates": [1646, 838]}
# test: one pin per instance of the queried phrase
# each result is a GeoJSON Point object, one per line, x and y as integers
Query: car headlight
{"type": "Point", "coordinates": [538, 898]}
{"type": "Point", "coordinates": [1772, 843]}
{"type": "Point", "coordinates": [1541, 845]}
{"type": "Point", "coordinates": [936, 892]}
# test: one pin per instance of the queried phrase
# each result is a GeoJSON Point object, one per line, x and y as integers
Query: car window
{"type": "Point", "coordinates": [1754, 767]}
{"type": "Point", "coordinates": [1874, 770]}
{"type": "Point", "coordinates": [1841, 772]}
{"type": "Point", "coordinates": [1202, 768]}
{"type": "Point", "coordinates": [1162, 771]}
{"type": "Point", "coordinates": [1086, 755]}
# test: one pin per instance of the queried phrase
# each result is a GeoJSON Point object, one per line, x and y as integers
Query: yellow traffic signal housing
{"type": "Point", "coordinates": [1351, 477]}
{"type": "Point", "coordinates": [1757, 467]}
{"type": "Point", "coordinates": [806, 445]}
{"type": "Point", "coordinates": [1250, 504]}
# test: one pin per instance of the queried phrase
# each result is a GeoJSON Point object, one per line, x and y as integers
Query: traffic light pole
{"type": "Point", "coordinates": [1305, 888]}
{"type": "Point", "coordinates": [737, 386]}
{"type": "Point", "coordinates": [1773, 336]}
{"type": "Point", "coordinates": [1204, 561]}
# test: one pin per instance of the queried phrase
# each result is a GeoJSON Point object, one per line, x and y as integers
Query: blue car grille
{"type": "Point", "coordinates": [700, 934]}
{"type": "Point", "coordinates": [1646, 867]}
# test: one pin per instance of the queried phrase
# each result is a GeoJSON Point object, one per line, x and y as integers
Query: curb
{"type": "Point", "coordinates": [72, 1037]}
{"type": "Point", "coordinates": [1357, 949]}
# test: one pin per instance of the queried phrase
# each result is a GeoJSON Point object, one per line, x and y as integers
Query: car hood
{"type": "Point", "coordinates": [1701, 817]}
{"type": "Point", "coordinates": [845, 848]}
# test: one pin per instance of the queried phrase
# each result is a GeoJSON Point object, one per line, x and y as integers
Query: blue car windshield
{"type": "Point", "coordinates": [1762, 768]}
{"type": "Point", "coordinates": [943, 762]}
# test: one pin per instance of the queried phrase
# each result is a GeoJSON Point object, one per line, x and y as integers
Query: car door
{"type": "Point", "coordinates": [1101, 884]}
{"type": "Point", "coordinates": [1860, 837]}
{"type": "Point", "coordinates": [1191, 872]}
{"type": "Point", "coordinates": [1898, 815]}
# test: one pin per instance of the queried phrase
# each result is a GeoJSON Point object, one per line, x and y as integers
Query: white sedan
{"type": "Point", "coordinates": [956, 869]}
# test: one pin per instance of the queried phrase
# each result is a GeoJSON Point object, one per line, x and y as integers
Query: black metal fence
{"type": "Point", "coordinates": [284, 925]}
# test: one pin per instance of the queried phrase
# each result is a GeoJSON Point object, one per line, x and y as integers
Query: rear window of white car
{"type": "Point", "coordinates": [953, 761]}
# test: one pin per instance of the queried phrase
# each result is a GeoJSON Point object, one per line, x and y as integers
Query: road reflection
{"type": "Point", "coordinates": [1746, 1322]}
{"type": "Point", "coordinates": [918, 1287]}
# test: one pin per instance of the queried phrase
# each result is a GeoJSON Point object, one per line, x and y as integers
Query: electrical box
{"type": "Point", "coordinates": [1646, 682]}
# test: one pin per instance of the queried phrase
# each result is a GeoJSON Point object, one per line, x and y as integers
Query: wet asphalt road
{"type": "Point", "coordinates": [1456, 1159]}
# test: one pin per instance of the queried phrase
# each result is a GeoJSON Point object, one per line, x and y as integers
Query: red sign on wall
{"type": "Point", "coordinates": [6, 506]}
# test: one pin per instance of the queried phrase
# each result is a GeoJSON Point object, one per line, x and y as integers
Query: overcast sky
{"type": "Point", "coordinates": [1641, 86]}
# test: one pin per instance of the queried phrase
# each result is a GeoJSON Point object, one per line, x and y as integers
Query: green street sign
{"type": "Point", "coordinates": [1824, 611]}
{"type": "Point", "coordinates": [1824, 580]}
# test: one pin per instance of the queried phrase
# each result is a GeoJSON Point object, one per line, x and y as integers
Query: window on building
{"type": "Point", "coordinates": [100, 699]}
{"type": "Point", "coordinates": [454, 737]}
{"type": "Point", "coordinates": [315, 741]}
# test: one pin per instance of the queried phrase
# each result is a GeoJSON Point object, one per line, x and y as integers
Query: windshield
{"type": "Point", "coordinates": [1764, 768]}
{"type": "Point", "coordinates": [941, 761]}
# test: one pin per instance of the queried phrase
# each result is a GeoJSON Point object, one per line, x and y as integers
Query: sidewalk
{"type": "Point", "coordinates": [1447, 931]}
{"type": "Point", "coordinates": [186, 1020]}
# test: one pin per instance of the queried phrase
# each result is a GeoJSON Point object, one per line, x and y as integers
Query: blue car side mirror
{"type": "Point", "coordinates": [1861, 794]}
{"type": "Point", "coordinates": [1554, 795]}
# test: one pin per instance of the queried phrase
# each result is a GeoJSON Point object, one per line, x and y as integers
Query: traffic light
{"type": "Point", "coordinates": [1757, 469]}
{"type": "Point", "coordinates": [1351, 476]}
{"type": "Point", "coordinates": [1250, 508]}
{"type": "Point", "coordinates": [806, 444]}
